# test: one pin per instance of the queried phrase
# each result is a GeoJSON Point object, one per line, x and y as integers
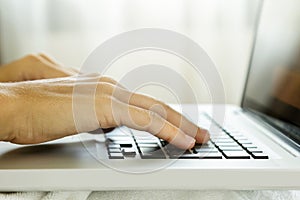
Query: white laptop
{"type": "Point", "coordinates": [257, 147]}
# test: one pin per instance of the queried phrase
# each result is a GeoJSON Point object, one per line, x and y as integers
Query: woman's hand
{"type": "Point", "coordinates": [33, 67]}
{"type": "Point", "coordinates": [42, 110]}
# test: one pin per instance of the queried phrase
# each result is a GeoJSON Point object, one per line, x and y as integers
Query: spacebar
{"type": "Point", "coordinates": [236, 155]}
{"type": "Point", "coordinates": [216, 155]}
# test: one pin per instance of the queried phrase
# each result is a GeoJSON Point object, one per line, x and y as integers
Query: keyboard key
{"type": "Point", "coordinates": [153, 154]}
{"type": "Point", "coordinates": [117, 134]}
{"type": "Point", "coordinates": [231, 130]}
{"type": "Point", "coordinates": [136, 133]}
{"type": "Point", "coordinates": [143, 141]}
{"type": "Point", "coordinates": [222, 136]}
{"type": "Point", "coordinates": [252, 148]}
{"type": "Point", "coordinates": [114, 150]}
{"type": "Point", "coordinates": [113, 145]}
{"type": "Point", "coordinates": [173, 150]}
{"type": "Point", "coordinates": [244, 142]}
{"type": "Point", "coordinates": [235, 148]}
{"type": "Point", "coordinates": [205, 150]}
{"type": "Point", "coordinates": [240, 137]}
{"type": "Point", "coordinates": [163, 143]}
{"type": "Point", "coordinates": [236, 134]}
{"type": "Point", "coordinates": [255, 151]}
{"type": "Point", "coordinates": [153, 145]}
{"type": "Point", "coordinates": [119, 138]}
{"type": "Point", "coordinates": [116, 156]}
{"type": "Point", "coordinates": [224, 141]}
{"type": "Point", "coordinates": [259, 155]}
{"type": "Point", "coordinates": [188, 156]}
{"type": "Point", "coordinates": [124, 145]}
{"type": "Point", "coordinates": [249, 146]}
{"type": "Point", "coordinates": [128, 152]}
{"type": "Point", "coordinates": [212, 155]}
{"type": "Point", "coordinates": [149, 149]}
{"type": "Point", "coordinates": [181, 153]}
{"type": "Point", "coordinates": [236, 155]}
{"type": "Point", "coordinates": [222, 144]}
{"type": "Point", "coordinates": [215, 129]}
{"type": "Point", "coordinates": [208, 144]}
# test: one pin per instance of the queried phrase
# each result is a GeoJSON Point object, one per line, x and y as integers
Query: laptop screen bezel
{"type": "Point", "coordinates": [252, 107]}
{"type": "Point", "coordinates": [256, 25]}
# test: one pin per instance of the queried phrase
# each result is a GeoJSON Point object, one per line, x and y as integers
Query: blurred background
{"type": "Point", "coordinates": [70, 29]}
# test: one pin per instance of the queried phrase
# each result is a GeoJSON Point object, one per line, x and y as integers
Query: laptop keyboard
{"type": "Point", "coordinates": [225, 143]}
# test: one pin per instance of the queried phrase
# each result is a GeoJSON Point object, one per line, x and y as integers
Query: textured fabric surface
{"type": "Point", "coordinates": [154, 194]}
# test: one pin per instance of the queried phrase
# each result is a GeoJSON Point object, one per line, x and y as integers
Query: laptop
{"type": "Point", "coordinates": [257, 147]}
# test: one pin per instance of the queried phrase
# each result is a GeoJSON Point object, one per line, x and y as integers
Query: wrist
{"type": "Point", "coordinates": [11, 72]}
{"type": "Point", "coordinates": [8, 109]}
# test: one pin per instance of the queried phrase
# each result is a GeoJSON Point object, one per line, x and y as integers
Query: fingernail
{"type": "Point", "coordinates": [190, 142]}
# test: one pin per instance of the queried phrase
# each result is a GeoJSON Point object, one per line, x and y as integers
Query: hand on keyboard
{"type": "Point", "coordinates": [46, 109]}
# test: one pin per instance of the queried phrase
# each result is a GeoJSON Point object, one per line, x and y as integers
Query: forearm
{"type": "Point", "coordinates": [7, 112]}
{"type": "Point", "coordinates": [5, 74]}
{"type": "Point", "coordinates": [33, 67]}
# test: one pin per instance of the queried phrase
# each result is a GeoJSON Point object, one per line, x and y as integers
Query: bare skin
{"type": "Point", "coordinates": [40, 90]}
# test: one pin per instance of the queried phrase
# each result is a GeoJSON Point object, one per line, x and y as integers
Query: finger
{"type": "Point", "coordinates": [111, 81]}
{"type": "Point", "coordinates": [165, 111]}
{"type": "Point", "coordinates": [145, 120]}
{"type": "Point", "coordinates": [73, 70]}
{"type": "Point", "coordinates": [52, 72]}
{"type": "Point", "coordinates": [48, 58]}
{"type": "Point", "coordinates": [99, 78]}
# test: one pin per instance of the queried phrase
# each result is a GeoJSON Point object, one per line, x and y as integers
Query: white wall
{"type": "Point", "coordinates": [69, 30]}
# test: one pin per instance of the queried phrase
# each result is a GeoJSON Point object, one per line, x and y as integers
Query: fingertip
{"type": "Point", "coordinates": [202, 136]}
{"type": "Point", "coordinates": [183, 142]}
{"type": "Point", "coordinates": [190, 142]}
{"type": "Point", "coordinates": [206, 135]}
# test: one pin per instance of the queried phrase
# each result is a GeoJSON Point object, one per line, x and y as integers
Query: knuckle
{"type": "Point", "coordinates": [155, 121]}
{"type": "Point", "coordinates": [92, 75]}
{"type": "Point", "coordinates": [32, 57]}
{"type": "Point", "coordinates": [106, 88]}
{"type": "Point", "coordinates": [104, 111]}
{"type": "Point", "coordinates": [153, 116]}
{"type": "Point", "coordinates": [43, 54]}
{"type": "Point", "coordinates": [108, 79]}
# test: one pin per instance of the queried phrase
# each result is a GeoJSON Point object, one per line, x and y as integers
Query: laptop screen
{"type": "Point", "coordinates": [273, 83]}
